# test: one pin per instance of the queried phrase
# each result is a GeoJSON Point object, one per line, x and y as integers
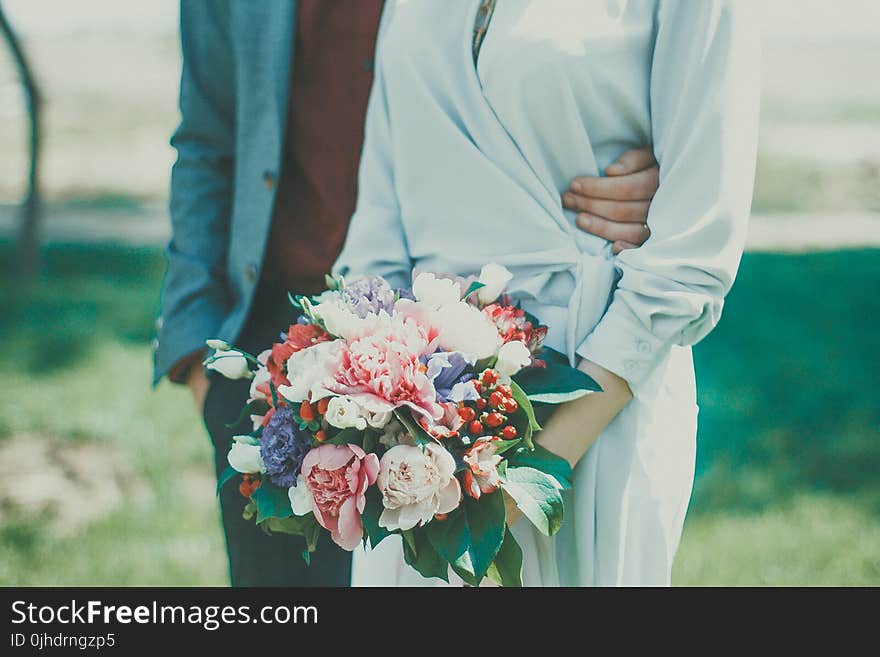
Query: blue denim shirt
{"type": "Point", "coordinates": [233, 95]}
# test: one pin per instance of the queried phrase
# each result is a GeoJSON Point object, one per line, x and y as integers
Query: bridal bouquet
{"type": "Point", "coordinates": [406, 412]}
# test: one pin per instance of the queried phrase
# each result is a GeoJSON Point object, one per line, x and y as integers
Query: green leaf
{"type": "Point", "coordinates": [464, 569]}
{"type": "Point", "coordinates": [476, 285]}
{"type": "Point", "coordinates": [345, 437]}
{"type": "Point", "coordinates": [225, 476]}
{"type": "Point", "coordinates": [421, 555]}
{"type": "Point", "coordinates": [421, 436]}
{"type": "Point", "coordinates": [371, 441]}
{"type": "Point", "coordinates": [557, 383]}
{"type": "Point", "coordinates": [475, 530]}
{"type": "Point", "coordinates": [370, 517]}
{"type": "Point", "coordinates": [524, 418]}
{"type": "Point", "coordinates": [272, 501]}
{"type": "Point", "coordinates": [537, 496]}
{"type": "Point", "coordinates": [506, 570]}
{"type": "Point", "coordinates": [502, 446]}
{"type": "Point", "coordinates": [544, 460]}
{"type": "Point", "coordinates": [294, 525]}
{"type": "Point", "coordinates": [254, 407]}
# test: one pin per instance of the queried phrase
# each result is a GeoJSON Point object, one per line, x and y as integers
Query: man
{"type": "Point", "coordinates": [272, 100]}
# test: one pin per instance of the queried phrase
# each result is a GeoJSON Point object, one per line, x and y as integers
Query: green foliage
{"type": "Point", "coordinates": [475, 530]}
{"type": "Point", "coordinates": [272, 501]}
{"type": "Point", "coordinates": [225, 476]}
{"type": "Point", "coordinates": [544, 460]}
{"type": "Point", "coordinates": [506, 570]}
{"type": "Point", "coordinates": [524, 419]}
{"type": "Point", "coordinates": [421, 555]}
{"type": "Point", "coordinates": [537, 496]}
{"type": "Point", "coordinates": [415, 430]}
{"type": "Point", "coordinates": [370, 517]}
{"type": "Point", "coordinates": [557, 383]}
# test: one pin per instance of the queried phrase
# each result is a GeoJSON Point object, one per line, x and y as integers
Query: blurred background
{"type": "Point", "coordinates": [104, 481]}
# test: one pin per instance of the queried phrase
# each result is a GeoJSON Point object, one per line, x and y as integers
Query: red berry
{"type": "Point", "coordinates": [505, 390]}
{"type": "Point", "coordinates": [322, 405]}
{"type": "Point", "coordinates": [440, 517]}
{"type": "Point", "coordinates": [466, 413]}
{"type": "Point", "coordinates": [489, 377]}
{"type": "Point", "coordinates": [496, 399]}
{"type": "Point", "coordinates": [306, 412]}
{"type": "Point", "coordinates": [508, 432]}
{"type": "Point", "coordinates": [321, 436]}
{"type": "Point", "coordinates": [476, 428]}
{"type": "Point", "coordinates": [494, 420]}
{"type": "Point", "coordinates": [480, 403]}
{"type": "Point", "coordinates": [509, 406]}
{"type": "Point", "coordinates": [477, 385]}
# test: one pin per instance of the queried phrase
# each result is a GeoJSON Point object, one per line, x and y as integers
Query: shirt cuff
{"type": "Point", "coordinates": [623, 345]}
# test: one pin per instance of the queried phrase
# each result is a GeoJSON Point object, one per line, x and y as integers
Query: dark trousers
{"type": "Point", "coordinates": [255, 558]}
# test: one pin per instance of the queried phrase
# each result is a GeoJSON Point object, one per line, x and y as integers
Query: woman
{"type": "Point", "coordinates": [509, 122]}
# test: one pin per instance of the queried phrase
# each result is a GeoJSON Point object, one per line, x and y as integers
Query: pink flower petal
{"type": "Point", "coordinates": [349, 531]}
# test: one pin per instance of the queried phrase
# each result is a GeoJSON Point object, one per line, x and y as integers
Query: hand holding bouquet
{"type": "Point", "coordinates": [405, 412]}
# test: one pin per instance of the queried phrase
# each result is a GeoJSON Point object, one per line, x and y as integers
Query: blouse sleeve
{"type": "Point", "coordinates": [376, 244]}
{"type": "Point", "coordinates": [704, 96]}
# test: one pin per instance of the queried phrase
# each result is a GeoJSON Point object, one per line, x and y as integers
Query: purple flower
{"type": "Point", "coordinates": [283, 447]}
{"type": "Point", "coordinates": [445, 369]}
{"type": "Point", "coordinates": [405, 293]}
{"type": "Point", "coordinates": [368, 295]}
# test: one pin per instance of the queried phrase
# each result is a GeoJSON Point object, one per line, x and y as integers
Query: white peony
{"type": "Point", "coordinates": [230, 364]}
{"type": "Point", "coordinates": [244, 456]}
{"type": "Point", "coordinates": [416, 485]}
{"type": "Point", "coordinates": [512, 357]}
{"type": "Point", "coordinates": [308, 370]}
{"type": "Point", "coordinates": [344, 412]}
{"type": "Point", "coordinates": [465, 328]}
{"type": "Point", "coordinates": [494, 279]}
{"type": "Point", "coordinates": [435, 292]}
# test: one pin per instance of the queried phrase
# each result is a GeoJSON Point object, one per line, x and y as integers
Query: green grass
{"type": "Point", "coordinates": [787, 489]}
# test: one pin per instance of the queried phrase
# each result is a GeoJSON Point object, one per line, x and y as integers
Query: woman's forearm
{"type": "Point", "coordinates": [575, 426]}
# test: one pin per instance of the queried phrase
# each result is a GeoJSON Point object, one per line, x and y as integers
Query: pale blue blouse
{"type": "Point", "coordinates": [464, 165]}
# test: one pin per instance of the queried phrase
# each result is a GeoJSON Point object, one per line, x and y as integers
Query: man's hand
{"type": "Point", "coordinates": [615, 207]}
{"type": "Point", "coordinates": [197, 381]}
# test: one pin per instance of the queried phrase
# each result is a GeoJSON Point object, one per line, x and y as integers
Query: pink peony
{"type": "Point", "coordinates": [332, 484]}
{"type": "Point", "coordinates": [381, 369]}
{"type": "Point", "coordinates": [481, 475]}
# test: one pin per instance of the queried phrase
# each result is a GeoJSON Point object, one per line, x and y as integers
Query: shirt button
{"type": "Point", "coordinates": [268, 179]}
{"type": "Point", "coordinates": [250, 273]}
{"type": "Point", "coordinates": [643, 347]}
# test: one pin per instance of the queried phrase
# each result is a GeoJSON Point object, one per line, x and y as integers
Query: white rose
{"type": "Point", "coordinates": [377, 419]}
{"type": "Point", "coordinates": [494, 279]}
{"type": "Point", "coordinates": [435, 292]}
{"type": "Point", "coordinates": [302, 501]}
{"type": "Point", "coordinates": [416, 485]}
{"type": "Point", "coordinates": [244, 456]}
{"type": "Point", "coordinates": [230, 364]}
{"type": "Point", "coordinates": [343, 412]}
{"type": "Point", "coordinates": [308, 370]}
{"type": "Point", "coordinates": [465, 328]}
{"type": "Point", "coordinates": [512, 357]}
{"type": "Point", "coordinates": [337, 318]}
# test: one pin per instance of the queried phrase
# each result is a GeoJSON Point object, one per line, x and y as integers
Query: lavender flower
{"type": "Point", "coordinates": [368, 295]}
{"type": "Point", "coordinates": [283, 447]}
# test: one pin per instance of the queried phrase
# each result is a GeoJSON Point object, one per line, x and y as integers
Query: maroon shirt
{"type": "Point", "coordinates": [329, 86]}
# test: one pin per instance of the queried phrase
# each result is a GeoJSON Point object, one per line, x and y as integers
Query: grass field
{"type": "Point", "coordinates": [788, 490]}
